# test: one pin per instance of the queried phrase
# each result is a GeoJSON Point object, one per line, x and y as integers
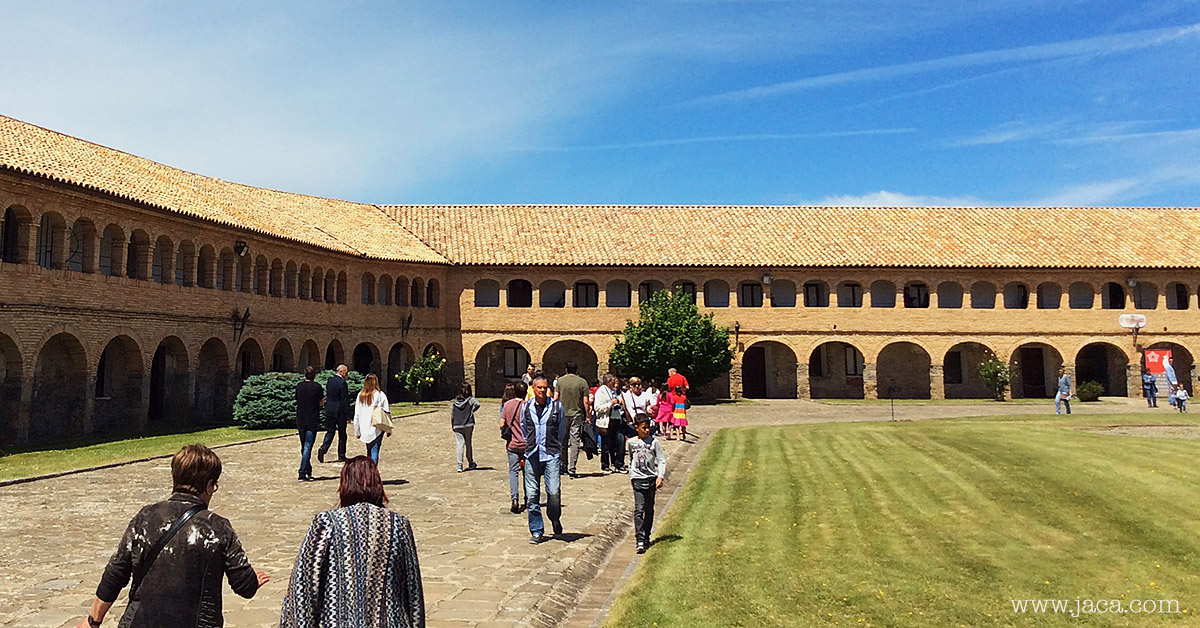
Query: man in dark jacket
{"type": "Point", "coordinates": [309, 396]}
{"type": "Point", "coordinates": [544, 425]}
{"type": "Point", "coordinates": [338, 411]}
{"type": "Point", "coordinates": [181, 586]}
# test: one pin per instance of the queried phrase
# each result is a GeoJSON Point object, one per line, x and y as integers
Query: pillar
{"type": "Point", "coordinates": [25, 406]}
{"type": "Point", "coordinates": [803, 389]}
{"type": "Point", "coordinates": [1133, 381]}
{"type": "Point", "coordinates": [870, 381]}
{"type": "Point", "coordinates": [735, 377]}
{"type": "Point", "coordinates": [937, 382]}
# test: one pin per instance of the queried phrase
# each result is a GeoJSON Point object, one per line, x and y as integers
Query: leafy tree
{"type": "Point", "coordinates": [422, 374]}
{"type": "Point", "coordinates": [269, 400]}
{"type": "Point", "coordinates": [670, 332]}
{"type": "Point", "coordinates": [996, 375]}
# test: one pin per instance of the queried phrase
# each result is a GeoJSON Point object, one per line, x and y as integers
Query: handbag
{"type": "Point", "coordinates": [381, 420]}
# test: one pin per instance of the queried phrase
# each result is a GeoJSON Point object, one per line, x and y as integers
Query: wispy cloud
{"type": "Point", "coordinates": [711, 139]}
{"type": "Point", "coordinates": [883, 198]}
{"type": "Point", "coordinates": [1104, 138]}
{"type": "Point", "coordinates": [1091, 46]}
{"type": "Point", "coordinates": [1015, 131]}
{"type": "Point", "coordinates": [1120, 190]}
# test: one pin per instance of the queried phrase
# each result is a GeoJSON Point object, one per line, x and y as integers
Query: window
{"type": "Point", "coordinates": [618, 294]}
{"type": "Point", "coordinates": [688, 288]}
{"type": "Point", "coordinates": [433, 295]}
{"type": "Point", "coordinates": [416, 292]}
{"type": "Point", "coordinates": [854, 362]}
{"type": "Point", "coordinates": [716, 293]}
{"type": "Point", "coordinates": [783, 293]}
{"type": "Point", "coordinates": [916, 295]}
{"type": "Point", "coordinates": [983, 296]}
{"type": "Point", "coordinates": [646, 289]}
{"type": "Point", "coordinates": [1049, 296]}
{"type": "Point", "coordinates": [750, 294]}
{"type": "Point", "coordinates": [816, 294]}
{"type": "Point", "coordinates": [1080, 296]}
{"type": "Point", "coordinates": [818, 363]}
{"type": "Point", "coordinates": [368, 286]}
{"type": "Point", "coordinates": [586, 294]}
{"type": "Point", "coordinates": [10, 237]}
{"type": "Point", "coordinates": [952, 370]}
{"type": "Point", "coordinates": [487, 293]}
{"type": "Point", "coordinates": [520, 293]}
{"type": "Point", "coordinates": [1145, 296]}
{"type": "Point", "coordinates": [850, 295]}
{"type": "Point", "coordinates": [552, 294]}
{"type": "Point", "coordinates": [45, 243]}
{"type": "Point", "coordinates": [1016, 296]}
{"type": "Point", "coordinates": [516, 360]}
{"type": "Point", "coordinates": [883, 294]}
{"type": "Point", "coordinates": [1177, 296]}
{"type": "Point", "coordinates": [950, 295]}
{"type": "Point", "coordinates": [1113, 296]}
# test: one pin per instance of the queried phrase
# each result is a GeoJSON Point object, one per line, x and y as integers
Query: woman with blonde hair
{"type": "Point", "coordinates": [370, 398]}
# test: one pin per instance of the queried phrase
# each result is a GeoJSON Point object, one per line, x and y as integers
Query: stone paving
{"type": "Point", "coordinates": [477, 565]}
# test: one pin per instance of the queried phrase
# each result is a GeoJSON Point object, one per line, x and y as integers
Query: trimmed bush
{"type": "Point", "coordinates": [269, 400]}
{"type": "Point", "coordinates": [1089, 391]}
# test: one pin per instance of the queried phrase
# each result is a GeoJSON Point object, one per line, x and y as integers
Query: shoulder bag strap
{"type": "Point", "coordinates": [153, 552]}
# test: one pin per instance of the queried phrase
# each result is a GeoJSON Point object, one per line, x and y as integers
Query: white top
{"type": "Point", "coordinates": [362, 416]}
{"type": "Point", "coordinates": [635, 404]}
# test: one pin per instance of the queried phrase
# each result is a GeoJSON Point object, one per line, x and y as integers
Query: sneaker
{"type": "Point", "coordinates": [605, 470]}
{"type": "Point", "coordinates": [557, 528]}
{"type": "Point", "coordinates": [535, 538]}
{"type": "Point", "coordinates": [460, 468]}
{"type": "Point", "coordinates": [472, 466]}
{"type": "Point", "coordinates": [641, 549]}
{"type": "Point", "coordinates": [320, 456]}
{"type": "Point", "coordinates": [573, 475]}
{"type": "Point", "coordinates": [516, 507]}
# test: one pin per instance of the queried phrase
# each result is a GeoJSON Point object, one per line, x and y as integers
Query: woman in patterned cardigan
{"type": "Point", "coordinates": [358, 564]}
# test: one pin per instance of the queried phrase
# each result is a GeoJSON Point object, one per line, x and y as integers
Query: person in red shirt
{"type": "Point", "coordinates": [675, 379]}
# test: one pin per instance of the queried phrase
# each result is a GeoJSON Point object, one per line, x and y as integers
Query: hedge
{"type": "Point", "coordinates": [269, 400]}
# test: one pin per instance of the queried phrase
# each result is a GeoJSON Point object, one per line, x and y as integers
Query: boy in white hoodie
{"type": "Point", "coordinates": [647, 466]}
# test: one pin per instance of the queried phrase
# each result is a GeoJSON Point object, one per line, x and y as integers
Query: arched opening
{"type": "Point", "coordinates": [1080, 296]}
{"type": "Point", "coordinates": [816, 293]}
{"type": "Point", "coordinates": [1177, 296]}
{"type": "Point", "coordinates": [585, 294]}
{"type": "Point", "coordinates": [950, 295]}
{"type": "Point", "coordinates": [960, 371]}
{"type": "Point", "coordinates": [385, 290]}
{"type": "Point", "coordinates": [226, 265]}
{"type": "Point", "coordinates": [552, 293]}
{"type": "Point", "coordinates": [137, 259]}
{"type": "Point", "coordinates": [318, 285]}
{"type": "Point", "coordinates": [497, 363]}
{"type": "Point", "coordinates": [688, 289]}
{"type": "Point", "coordinates": [563, 351]}
{"type": "Point", "coordinates": [1016, 296]}
{"type": "Point", "coordinates": [329, 288]}
{"type": "Point", "coordinates": [983, 295]}
{"type": "Point", "coordinates": [112, 251]}
{"type": "Point", "coordinates": [162, 265]}
{"type": "Point", "coordinates": [118, 391]}
{"type": "Point", "coordinates": [618, 293]}
{"type": "Point", "coordinates": [1049, 296]}
{"type": "Point", "coordinates": [401, 291]}
{"type": "Point", "coordinates": [262, 275]}
{"type": "Point", "coordinates": [10, 389]}
{"type": "Point", "coordinates": [835, 371]}
{"type": "Point", "coordinates": [368, 289]}
{"type": "Point", "coordinates": [212, 397]}
{"type": "Point", "coordinates": [850, 294]}
{"type": "Point", "coordinates": [487, 293]}
{"type": "Point", "coordinates": [916, 295]}
{"type": "Point", "coordinates": [281, 357]}
{"type": "Point", "coordinates": [433, 294]}
{"type": "Point", "coordinates": [903, 372]}
{"type": "Point", "coordinates": [769, 371]}
{"type": "Point", "coordinates": [310, 355]}
{"type": "Point", "coordinates": [434, 348]}
{"type": "Point", "coordinates": [883, 293]}
{"type": "Point", "coordinates": [646, 289]}
{"type": "Point", "coordinates": [249, 362]}
{"type": "Point", "coordinates": [520, 293]}
{"type": "Point", "coordinates": [334, 355]}
{"type": "Point", "coordinates": [783, 293]}
{"type": "Point", "coordinates": [1036, 371]}
{"type": "Point", "coordinates": [60, 389]}
{"type": "Point", "coordinates": [1145, 296]}
{"type": "Point", "coordinates": [291, 288]}
{"type": "Point", "coordinates": [366, 359]}
{"type": "Point", "coordinates": [206, 271]}
{"type": "Point", "coordinates": [1104, 364]}
{"type": "Point", "coordinates": [51, 240]}
{"type": "Point", "coordinates": [1181, 363]}
{"type": "Point", "coordinates": [750, 294]}
{"type": "Point", "coordinates": [81, 247]}
{"type": "Point", "coordinates": [185, 264]}
{"type": "Point", "coordinates": [245, 273]}
{"type": "Point", "coordinates": [416, 292]}
{"type": "Point", "coordinates": [169, 375]}
{"type": "Point", "coordinates": [400, 358]}
{"type": "Point", "coordinates": [12, 235]}
{"type": "Point", "coordinates": [716, 293]}
{"type": "Point", "coordinates": [275, 278]}
{"type": "Point", "coordinates": [1112, 297]}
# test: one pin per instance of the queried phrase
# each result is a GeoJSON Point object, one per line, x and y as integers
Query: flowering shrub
{"type": "Point", "coordinates": [422, 374]}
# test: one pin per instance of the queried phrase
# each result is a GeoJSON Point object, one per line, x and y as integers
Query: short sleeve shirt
{"type": "Point", "coordinates": [572, 394]}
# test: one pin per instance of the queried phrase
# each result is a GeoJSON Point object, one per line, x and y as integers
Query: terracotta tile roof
{"type": "Point", "coordinates": [764, 236]}
{"type": "Point", "coordinates": [354, 228]}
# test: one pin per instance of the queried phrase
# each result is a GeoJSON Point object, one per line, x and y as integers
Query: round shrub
{"type": "Point", "coordinates": [269, 400]}
{"type": "Point", "coordinates": [1089, 391]}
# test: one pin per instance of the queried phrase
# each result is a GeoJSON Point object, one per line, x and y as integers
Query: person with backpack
{"type": "Point", "coordinates": [511, 432]}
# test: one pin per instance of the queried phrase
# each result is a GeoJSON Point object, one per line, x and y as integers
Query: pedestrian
{"type": "Point", "coordinates": [609, 420]}
{"type": "Point", "coordinates": [338, 411]}
{"type": "Point", "coordinates": [1181, 397]}
{"type": "Point", "coordinates": [1150, 389]}
{"type": "Point", "coordinates": [462, 422]}
{"type": "Point", "coordinates": [647, 467]}
{"type": "Point", "coordinates": [309, 398]}
{"type": "Point", "coordinates": [637, 401]}
{"type": "Point", "coordinates": [544, 425]}
{"type": "Point", "coordinates": [511, 432]}
{"type": "Point", "coordinates": [679, 407]}
{"type": "Point", "coordinates": [358, 563]}
{"type": "Point", "coordinates": [364, 405]}
{"type": "Point", "coordinates": [675, 379]}
{"type": "Point", "coordinates": [572, 392]}
{"type": "Point", "coordinates": [664, 416]}
{"type": "Point", "coordinates": [530, 371]}
{"type": "Point", "coordinates": [1065, 390]}
{"type": "Point", "coordinates": [176, 552]}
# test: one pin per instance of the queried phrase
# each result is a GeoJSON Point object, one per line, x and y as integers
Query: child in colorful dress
{"type": "Point", "coordinates": [665, 414]}
{"type": "Point", "coordinates": [680, 402]}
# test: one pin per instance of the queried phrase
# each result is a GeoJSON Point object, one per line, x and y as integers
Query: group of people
{"type": "Point", "coordinates": [1177, 396]}
{"type": "Point", "coordinates": [333, 403]}
{"type": "Point", "coordinates": [357, 566]}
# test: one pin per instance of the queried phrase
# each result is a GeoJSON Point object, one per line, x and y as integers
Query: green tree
{"type": "Point", "coordinates": [996, 375]}
{"type": "Point", "coordinates": [422, 374]}
{"type": "Point", "coordinates": [670, 332]}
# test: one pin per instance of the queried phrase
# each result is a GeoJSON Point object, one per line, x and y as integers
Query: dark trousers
{"type": "Point", "coordinates": [340, 430]}
{"type": "Point", "coordinates": [643, 509]}
{"type": "Point", "coordinates": [307, 438]}
{"type": "Point", "coordinates": [612, 451]}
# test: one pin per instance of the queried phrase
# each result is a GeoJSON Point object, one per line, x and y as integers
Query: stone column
{"type": "Point", "coordinates": [803, 389]}
{"type": "Point", "coordinates": [469, 373]}
{"type": "Point", "coordinates": [1133, 381]}
{"type": "Point", "coordinates": [58, 247]}
{"type": "Point", "coordinates": [168, 264]}
{"type": "Point", "coordinates": [143, 411]}
{"type": "Point", "coordinates": [870, 381]}
{"type": "Point", "coordinates": [119, 253]}
{"type": "Point", "coordinates": [735, 377]}
{"type": "Point", "coordinates": [937, 382]}
{"type": "Point", "coordinates": [25, 407]}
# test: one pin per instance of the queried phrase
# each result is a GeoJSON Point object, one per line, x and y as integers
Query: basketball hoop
{"type": "Point", "coordinates": [1132, 322]}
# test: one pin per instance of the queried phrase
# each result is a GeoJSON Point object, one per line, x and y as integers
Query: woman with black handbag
{"type": "Point", "coordinates": [610, 422]}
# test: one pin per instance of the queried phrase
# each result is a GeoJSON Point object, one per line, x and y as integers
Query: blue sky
{"type": "Point", "coordinates": [921, 102]}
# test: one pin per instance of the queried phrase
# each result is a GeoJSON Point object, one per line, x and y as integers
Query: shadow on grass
{"type": "Point", "coordinates": [669, 538]}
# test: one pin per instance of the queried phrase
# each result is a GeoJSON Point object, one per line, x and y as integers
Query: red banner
{"type": "Point", "coordinates": [1155, 360]}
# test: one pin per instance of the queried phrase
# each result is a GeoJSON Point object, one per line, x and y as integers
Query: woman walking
{"type": "Point", "coordinates": [462, 421]}
{"type": "Point", "coordinates": [364, 405]}
{"type": "Point", "coordinates": [510, 430]}
{"type": "Point", "coordinates": [358, 564]}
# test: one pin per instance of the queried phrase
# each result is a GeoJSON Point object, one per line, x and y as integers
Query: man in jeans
{"type": "Point", "coordinates": [572, 392]}
{"type": "Point", "coordinates": [309, 397]}
{"type": "Point", "coordinates": [544, 425]}
{"type": "Point", "coordinates": [339, 409]}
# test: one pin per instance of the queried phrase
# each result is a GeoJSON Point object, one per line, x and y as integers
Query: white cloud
{"type": "Point", "coordinates": [883, 198]}
{"type": "Point", "coordinates": [713, 139]}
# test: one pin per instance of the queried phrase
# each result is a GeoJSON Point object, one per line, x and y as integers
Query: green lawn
{"type": "Point", "coordinates": [935, 523]}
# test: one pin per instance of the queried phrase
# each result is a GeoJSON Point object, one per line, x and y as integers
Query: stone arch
{"type": "Point", "coordinates": [1181, 360]}
{"type": "Point", "coordinates": [137, 259]}
{"type": "Point", "coordinates": [950, 295]}
{"type": "Point", "coordinates": [1081, 296]}
{"type": "Point", "coordinates": [11, 374]}
{"type": "Point", "coordinates": [250, 361]}
{"type": "Point", "coordinates": [1178, 295]}
{"type": "Point", "coordinates": [960, 371]}
{"type": "Point", "coordinates": [15, 223]}
{"type": "Point", "coordinates": [1105, 364]}
{"type": "Point", "coordinates": [1035, 366]}
{"type": "Point", "coordinates": [1145, 295]}
{"type": "Point", "coordinates": [212, 396]}
{"type": "Point", "coordinates": [170, 375]}
{"type": "Point", "coordinates": [162, 265]}
{"type": "Point", "coordinates": [50, 251]}
{"type": "Point", "coordinates": [329, 287]}
{"type": "Point", "coordinates": [310, 355]}
{"type": "Point", "coordinates": [81, 246]}
{"type": "Point", "coordinates": [434, 348]}
{"type": "Point", "coordinates": [716, 293]}
{"type": "Point", "coordinates": [916, 294]}
{"type": "Point", "coordinates": [769, 371]}
{"type": "Point", "coordinates": [400, 358]}
{"type": "Point", "coordinates": [850, 294]}
{"type": "Point", "coordinates": [618, 293]}
{"type": "Point", "coordinates": [112, 251]}
{"type": "Point", "coordinates": [317, 285]}
{"type": "Point", "coordinates": [245, 273]}
{"type": "Point", "coordinates": [1112, 296]}
{"type": "Point", "coordinates": [1016, 296]}
{"type": "Point", "coordinates": [646, 289]}
{"type": "Point", "coordinates": [368, 289]}
{"type": "Point", "coordinates": [206, 270]}
{"type": "Point", "coordinates": [262, 275]}
{"type": "Point", "coordinates": [519, 293]}
{"type": "Point", "coordinates": [835, 371]}
{"type": "Point", "coordinates": [883, 293]}
{"type": "Point", "coordinates": [226, 267]}
{"type": "Point", "coordinates": [60, 390]}
{"type": "Point", "coordinates": [334, 355]}
{"type": "Point", "coordinates": [983, 295]}
{"type": "Point", "coordinates": [487, 293]}
{"type": "Point", "coordinates": [816, 292]}
{"type": "Point", "coordinates": [902, 369]}
{"type": "Point", "coordinates": [304, 284]}
{"type": "Point", "coordinates": [556, 356]}
{"type": "Point", "coordinates": [281, 357]}
{"type": "Point", "coordinates": [117, 404]}
{"type": "Point", "coordinates": [366, 359]}
{"type": "Point", "coordinates": [433, 293]}
{"type": "Point", "coordinates": [384, 292]}
{"type": "Point", "coordinates": [684, 286]}
{"type": "Point", "coordinates": [497, 363]}
{"type": "Point", "coordinates": [1049, 296]}
{"type": "Point", "coordinates": [783, 293]}
{"type": "Point", "coordinates": [585, 293]}
{"type": "Point", "coordinates": [552, 293]}
{"type": "Point", "coordinates": [416, 292]}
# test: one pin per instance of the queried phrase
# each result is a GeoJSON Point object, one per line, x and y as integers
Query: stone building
{"type": "Point", "coordinates": [132, 292]}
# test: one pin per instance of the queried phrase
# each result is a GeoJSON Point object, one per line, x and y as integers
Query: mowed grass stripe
{"type": "Point", "coordinates": [920, 524]}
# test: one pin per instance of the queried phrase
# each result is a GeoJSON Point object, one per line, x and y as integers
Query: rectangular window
{"type": "Point", "coordinates": [952, 369]}
{"type": "Point", "coordinates": [750, 295]}
{"type": "Point", "coordinates": [687, 288]}
{"type": "Point", "coordinates": [854, 362]}
{"type": "Point", "coordinates": [816, 294]}
{"type": "Point", "coordinates": [819, 366]}
{"type": "Point", "coordinates": [586, 294]}
{"type": "Point", "coordinates": [516, 360]}
{"type": "Point", "coordinates": [850, 295]}
{"type": "Point", "coordinates": [916, 295]}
